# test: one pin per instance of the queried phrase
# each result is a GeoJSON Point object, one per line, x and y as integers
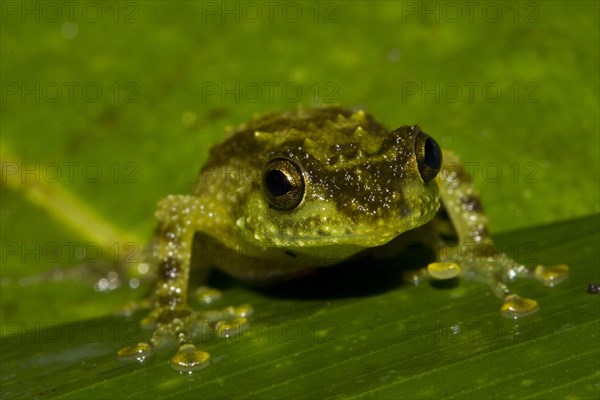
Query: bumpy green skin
{"type": "Point", "coordinates": [363, 191]}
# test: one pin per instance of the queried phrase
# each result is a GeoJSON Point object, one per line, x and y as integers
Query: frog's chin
{"type": "Point", "coordinates": [323, 251]}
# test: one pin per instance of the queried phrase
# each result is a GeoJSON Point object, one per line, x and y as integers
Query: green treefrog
{"type": "Point", "coordinates": [297, 190]}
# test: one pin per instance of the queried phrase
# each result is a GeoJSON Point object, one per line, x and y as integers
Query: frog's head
{"type": "Point", "coordinates": [333, 177]}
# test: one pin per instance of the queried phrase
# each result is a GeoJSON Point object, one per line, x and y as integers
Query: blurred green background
{"type": "Point", "coordinates": [112, 105]}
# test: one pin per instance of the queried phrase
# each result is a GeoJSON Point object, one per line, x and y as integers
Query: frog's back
{"type": "Point", "coordinates": [253, 141]}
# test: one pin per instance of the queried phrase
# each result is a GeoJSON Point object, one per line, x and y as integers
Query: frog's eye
{"type": "Point", "coordinates": [283, 184]}
{"type": "Point", "coordinates": [429, 156]}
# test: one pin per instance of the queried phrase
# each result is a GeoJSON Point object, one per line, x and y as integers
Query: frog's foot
{"type": "Point", "coordinates": [171, 322]}
{"type": "Point", "coordinates": [495, 271]}
{"type": "Point", "coordinates": [514, 306]}
{"type": "Point", "coordinates": [187, 359]}
{"type": "Point", "coordinates": [503, 267]}
{"type": "Point", "coordinates": [231, 321]}
{"type": "Point", "coordinates": [183, 323]}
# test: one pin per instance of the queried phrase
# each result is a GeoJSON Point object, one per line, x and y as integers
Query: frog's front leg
{"type": "Point", "coordinates": [179, 218]}
{"type": "Point", "coordinates": [476, 256]}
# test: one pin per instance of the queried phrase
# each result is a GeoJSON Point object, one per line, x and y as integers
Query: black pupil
{"type": "Point", "coordinates": [432, 154]}
{"type": "Point", "coordinates": [277, 183]}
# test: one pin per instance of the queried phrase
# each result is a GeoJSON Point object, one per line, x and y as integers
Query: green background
{"type": "Point", "coordinates": [510, 87]}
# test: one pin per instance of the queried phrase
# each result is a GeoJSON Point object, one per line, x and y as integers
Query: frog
{"type": "Point", "coordinates": [290, 192]}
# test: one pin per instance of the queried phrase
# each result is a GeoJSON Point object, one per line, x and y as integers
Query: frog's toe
{"type": "Point", "coordinates": [208, 295]}
{"type": "Point", "coordinates": [443, 270]}
{"type": "Point", "coordinates": [138, 352]}
{"type": "Point", "coordinates": [228, 313]}
{"type": "Point", "coordinates": [227, 329]}
{"type": "Point", "coordinates": [515, 306]}
{"type": "Point", "coordinates": [551, 276]}
{"type": "Point", "coordinates": [189, 358]}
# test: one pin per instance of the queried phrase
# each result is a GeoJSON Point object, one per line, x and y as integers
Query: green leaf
{"type": "Point", "coordinates": [371, 340]}
{"type": "Point", "coordinates": [81, 176]}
